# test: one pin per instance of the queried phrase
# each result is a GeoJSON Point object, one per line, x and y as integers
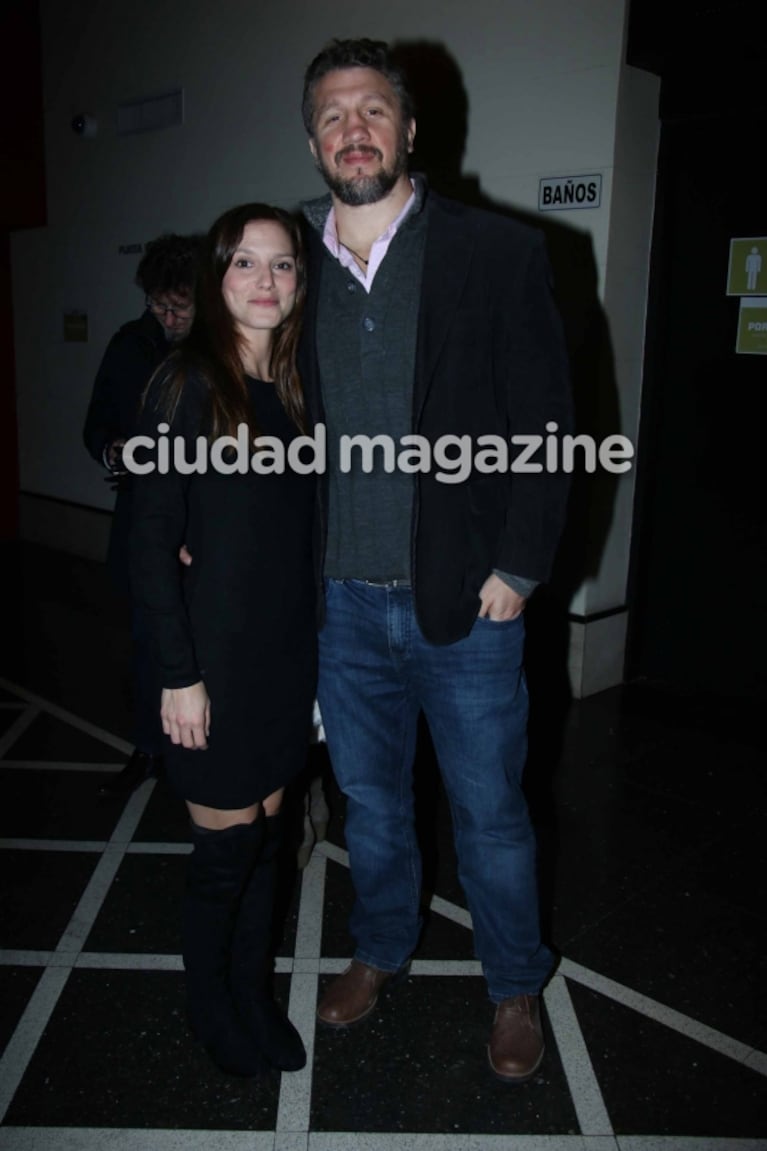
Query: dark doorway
{"type": "Point", "coordinates": [699, 570]}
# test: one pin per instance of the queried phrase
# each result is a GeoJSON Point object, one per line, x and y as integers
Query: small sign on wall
{"type": "Point", "coordinates": [747, 270]}
{"type": "Point", "coordinates": [752, 327]}
{"type": "Point", "coordinates": [563, 193]}
{"type": "Point", "coordinates": [76, 326]}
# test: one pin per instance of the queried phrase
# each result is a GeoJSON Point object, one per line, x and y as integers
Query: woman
{"type": "Point", "coordinates": [234, 633]}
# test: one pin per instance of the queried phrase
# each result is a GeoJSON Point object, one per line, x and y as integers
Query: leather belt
{"type": "Point", "coordinates": [386, 582]}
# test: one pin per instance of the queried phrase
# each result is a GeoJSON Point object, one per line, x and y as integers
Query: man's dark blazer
{"type": "Point", "coordinates": [490, 359]}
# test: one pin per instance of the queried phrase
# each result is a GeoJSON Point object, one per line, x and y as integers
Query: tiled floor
{"type": "Point", "coordinates": [653, 863]}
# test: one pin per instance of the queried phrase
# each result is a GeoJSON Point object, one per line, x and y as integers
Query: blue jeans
{"type": "Point", "coordinates": [376, 673]}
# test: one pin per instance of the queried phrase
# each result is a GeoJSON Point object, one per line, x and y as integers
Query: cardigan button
{"type": "Point", "coordinates": [368, 324]}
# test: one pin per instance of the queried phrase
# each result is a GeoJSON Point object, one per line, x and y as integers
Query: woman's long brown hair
{"type": "Point", "coordinates": [213, 347]}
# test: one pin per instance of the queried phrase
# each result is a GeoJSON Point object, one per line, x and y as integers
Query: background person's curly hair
{"type": "Point", "coordinates": [170, 264]}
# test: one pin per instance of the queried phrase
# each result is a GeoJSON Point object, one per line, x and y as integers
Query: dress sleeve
{"type": "Point", "coordinates": [158, 530]}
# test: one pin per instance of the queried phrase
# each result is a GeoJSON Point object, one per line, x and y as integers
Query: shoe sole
{"type": "Point", "coordinates": [396, 979]}
{"type": "Point", "coordinates": [513, 1080]}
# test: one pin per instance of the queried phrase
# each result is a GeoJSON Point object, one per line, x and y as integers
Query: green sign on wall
{"type": "Point", "coordinates": [752, 327]}
{"type": "Point", "coordinates": [747, 273]}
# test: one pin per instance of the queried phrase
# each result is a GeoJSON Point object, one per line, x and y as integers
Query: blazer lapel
{"type": "Point", "coordinates": [447, 257]}
{"type": "Point", "coordinates": [308, 363]}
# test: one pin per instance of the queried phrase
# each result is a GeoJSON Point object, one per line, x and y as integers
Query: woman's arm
{"type": "Point", "coordinates": [159, 517]}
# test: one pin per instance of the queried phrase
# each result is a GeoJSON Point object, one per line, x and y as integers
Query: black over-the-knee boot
{"type": "Point", "coordinates": [252, 960]}
{"type": "Point", "coordinates": [218, 870]}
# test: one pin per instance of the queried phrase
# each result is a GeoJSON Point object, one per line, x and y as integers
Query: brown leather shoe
{"type": "Point", "coordinates": [516, 1043]}
{"type": "Point", "coordinates": [352, 995]}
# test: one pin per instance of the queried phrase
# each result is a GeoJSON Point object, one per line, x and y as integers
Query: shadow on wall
{"type": "Point", "coordinates": [442, 109]}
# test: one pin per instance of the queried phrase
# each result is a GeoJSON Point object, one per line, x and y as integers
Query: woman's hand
{"type": "Point", "coordinates": [185, 715]}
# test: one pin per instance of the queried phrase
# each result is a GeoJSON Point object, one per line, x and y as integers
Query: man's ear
{"type": "Point", "coordinates": [313, 148]}
{"type": "Point", "coordinates": [411, 136]}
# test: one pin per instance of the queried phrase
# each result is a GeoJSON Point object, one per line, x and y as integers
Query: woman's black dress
{"type": "Point", "coordinates": [242, 617]}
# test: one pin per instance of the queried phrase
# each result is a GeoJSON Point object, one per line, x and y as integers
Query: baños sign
{"type": "Point", "coordinates": [561, 193]}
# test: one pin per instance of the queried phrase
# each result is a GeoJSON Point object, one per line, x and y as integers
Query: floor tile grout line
{"type": "Point", "coordinates": [170, 961]}
{"type": "Point", "coordinates": [17, 728]}
{"type": "Point", "coordinates": [64, 845]}
{"type": "Point", "coordinates": [128, 961]}
{"type": "Point", "coordinates": [163, 1139]}
{"type": "Point", "coordinates": [582, 1081]}
{"type": "Point", "coordinates": [310, 911]}
{"type": "Point", "coordinates": [757, 1061]}
{"type": "Point", "coordinates": [25, 957]}
{"type": "Point", "coordinates": [295, 1099]}
{"type": "Point", "coordinates": [89, 845]}
{"type": "Point", "coordinates": [132, 1139]}
{"type": "Point", "coordinates": [26, 1035]}
{"type": "Point", "coordinates": [652, 1009]}
{"type": "Point", "coordinates": [150, 848]}
{"type": "Point", "coordinates": [433, 1141]}
{"type": "Point", "coordinates": [689, 1143]}
{"type": "Point", "coordinates": [294, 1105]}
{"type": "Point", "coordinates": [113, 768]}
{"type": "Point", "coordinates": [330, 851]}
{"type": "Point", "coordinates": [128, 822]}
{"type": "Point", "coordinates": [91, 901]}
{"type": "Point", "coordinates": [68, 717]}
{"type": "Point", "coordinates": [451, 911]}
{"type": "Point", "coordinates": [441, 967]}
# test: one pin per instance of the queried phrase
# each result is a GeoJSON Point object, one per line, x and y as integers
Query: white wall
{"type": "Point", "coordinates": [547, 92]}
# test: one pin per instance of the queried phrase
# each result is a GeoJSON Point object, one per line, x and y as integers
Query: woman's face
{"type": "Point", "coordinates": [259, 286]}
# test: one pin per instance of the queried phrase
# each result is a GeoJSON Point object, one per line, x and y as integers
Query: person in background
{"type": "Point", "coordinates": [234, 634]}
{"type": "Point", "coordinates": [166, 275]}
{"type": "Point", "coordinates": [426, 316]}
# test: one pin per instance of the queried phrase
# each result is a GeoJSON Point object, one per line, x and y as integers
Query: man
{"type": "Point", "coordinates": [426, 317]}
{"type": "Point", "coordinates": [166, 275]}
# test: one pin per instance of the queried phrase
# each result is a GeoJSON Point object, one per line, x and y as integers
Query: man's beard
{"type": "Point", "coordinates": [368, 189]}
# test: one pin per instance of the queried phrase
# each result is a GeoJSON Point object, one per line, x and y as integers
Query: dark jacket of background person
{"type": "Point", "coordinates": [131, 357]}
{"type": "Point", "coordinates": [490, 359]}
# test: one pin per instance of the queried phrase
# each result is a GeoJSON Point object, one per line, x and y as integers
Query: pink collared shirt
{"type": "Point", "coordinates": [377, 252]}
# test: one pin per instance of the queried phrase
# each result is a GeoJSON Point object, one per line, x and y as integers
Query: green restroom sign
{"type": "Point", "coordinates": [752, 327]}
{"type": "Point", "coordinates": [747, 273]}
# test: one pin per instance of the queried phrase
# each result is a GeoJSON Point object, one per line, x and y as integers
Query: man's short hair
{"type": "Point", "coordinates": [364, 53]}
{"type": "Point", "coordinates": [169, 264]}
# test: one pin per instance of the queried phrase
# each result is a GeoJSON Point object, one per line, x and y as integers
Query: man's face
{"type": "Point", "coordinates": [361, 141]}
{"type": "Point", "coordinates": [174, 311]}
